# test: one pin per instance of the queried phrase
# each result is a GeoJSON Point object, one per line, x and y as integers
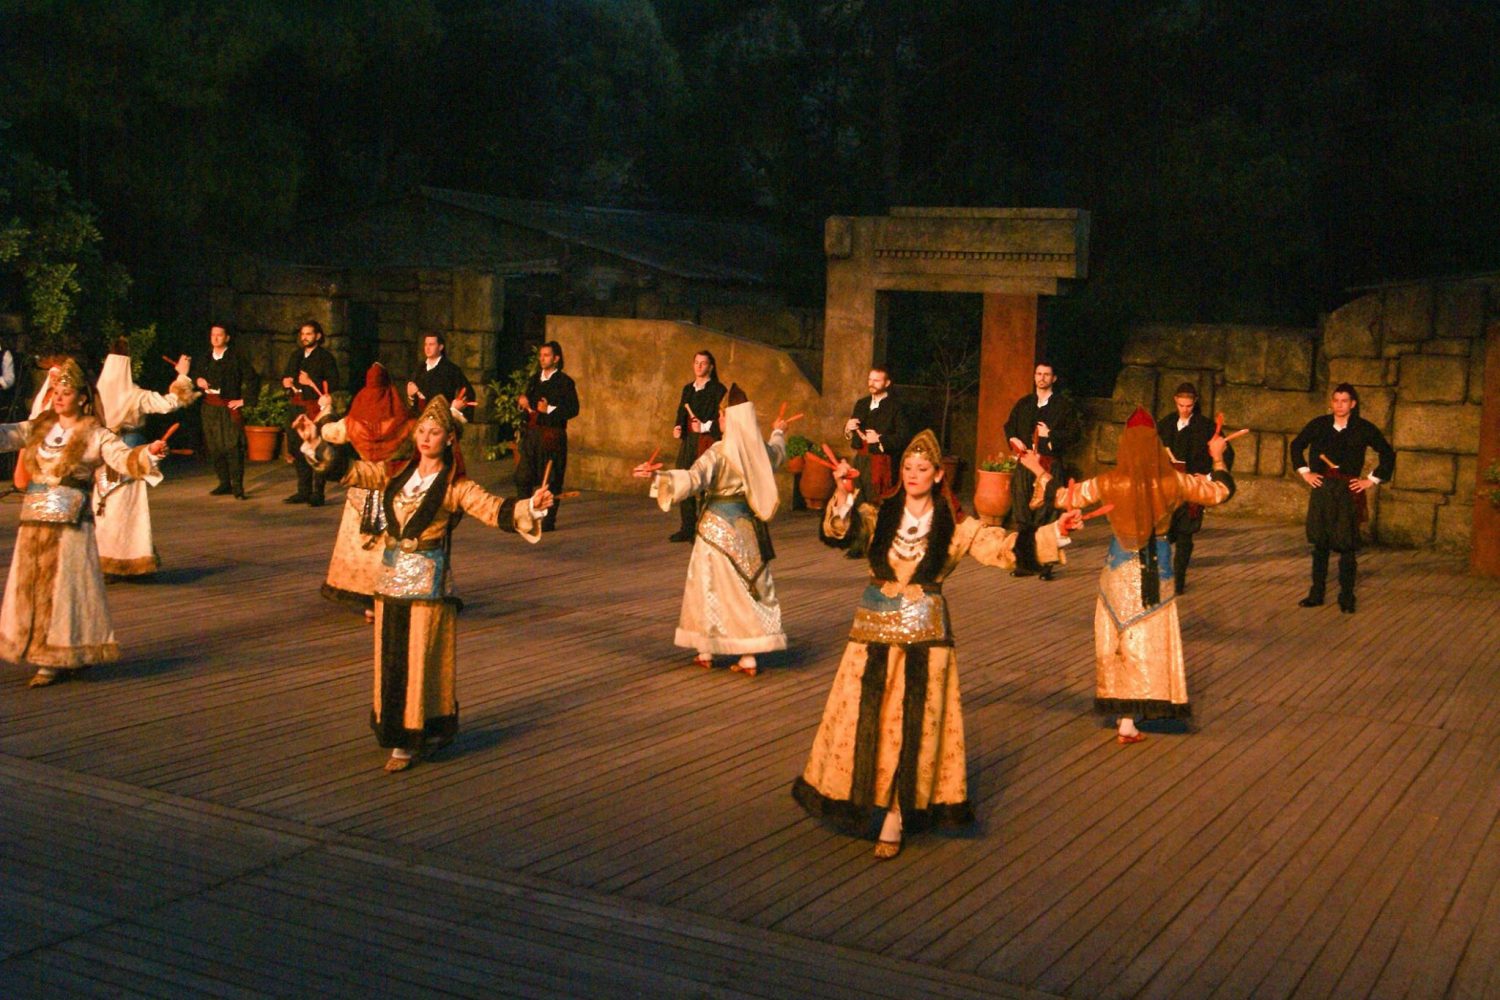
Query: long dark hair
{"type": "Point", "coordinates": [713, 364]}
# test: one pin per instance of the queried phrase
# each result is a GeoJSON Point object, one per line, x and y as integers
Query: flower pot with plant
{"type": "Point", "coordinates": [264, 420]}
{"type": "Point", "coordinates": [992, 494]}
{"type": "Point", "coordinates": [815, 484]}
{"type": "Point", "coordinates": [796, 453]}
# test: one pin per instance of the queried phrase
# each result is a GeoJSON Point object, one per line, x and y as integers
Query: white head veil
{"type": "Point", "coordinates": [746, 452]}
{"type": "Point", "coordinates": [115, 389]}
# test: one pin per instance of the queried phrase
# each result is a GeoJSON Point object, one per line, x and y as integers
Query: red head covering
{"type": "Point", "coordinates": [377, 422]}
{"type": "Point", "coordinates": [1140, 418]}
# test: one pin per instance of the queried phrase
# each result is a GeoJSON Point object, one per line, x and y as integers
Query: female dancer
{"type": "Point", "coordinates": [729, 604]}
{"type": "Point", "coordinates": [892, 737]}
{"type": "Point", "coordinates": [378, 428]}
{"type": "Point", "coordinates": [415, 710]}
{"type": "Point", "coordinates": [1137, 639]}
{"type": "Point", "coordinates": [55, 615]}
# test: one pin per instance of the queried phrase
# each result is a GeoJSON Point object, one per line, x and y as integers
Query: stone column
{"type": "Point", "coordinates": [1007, 358]}
{"type": "Point", "coordinates": [1484, 550]}
{"type": "Point", "coordinates": [848, 320]}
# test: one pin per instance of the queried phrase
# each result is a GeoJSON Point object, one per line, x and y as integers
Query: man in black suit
{"type": "Point", "coordinates": [1045, 420]}
{"type": "Point", "coordinates": [549, 402]}
{"type": "Point", "coordinates": [697, 428]}
{"type": "Point", "coordinates": [437, 377]}
{"type": "Point", "coordinates": [310, 371]}
{"type": "Point", "coordinates": [227, 381]}
{"type": "Point", "coordinates": [1186, 432]}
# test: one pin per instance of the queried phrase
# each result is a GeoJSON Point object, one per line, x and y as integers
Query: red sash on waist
{"type": "Point", "coordinates": [1361, 504]}
{"type": "Point", "coordinates": [215, 399]}
{"type": "Point", "coordinates": [705, 442]}
{"type": "Point", "coordinates": [881, 484]}
{"type": "Point", "coordinates": [307, 406]}
{"type": "Point", "coordinates": [1046, 459]}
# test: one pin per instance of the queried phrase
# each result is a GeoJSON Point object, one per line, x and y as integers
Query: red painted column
{"type": "Point", "coordinates": [1007, 357]}
{"type": "Point", "coordinates": [1484, 552]}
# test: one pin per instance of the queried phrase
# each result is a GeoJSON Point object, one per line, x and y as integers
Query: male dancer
{"type": "Point", "coordinates": [438, 376]}
{"type": "Point", "coordinates": [697, 428]}
{"type": "Point", "coordinates": [310, 368]}
{"type": "Point", "coordinates": [227, 380]}
{"type": "Point", "coordinates": [1186, 433]}
{"type": "Point", "coordinates": [1047, 422]}
{"type": "Point", "coordinates": [549, 402]}
{"type": "Point", "coordinates": [1329, 454]}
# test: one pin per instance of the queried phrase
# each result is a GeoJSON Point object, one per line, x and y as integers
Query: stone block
{"type": "Point", "coordinates": [244, 273]}
{"type": "Point", "coordinates": [1454, 531]}
{"type": "Point", "coordinates": [1107, 443]}
{"type": "Point", "coordinates": [1275, 410]}
{"type": "Point", "coordinates": [1407, 314]}
{"type": "Point", "coordinates": [1375, 406]}
{"type": "Point", "coordinates": [1466, 479]}
{"type": "Point", "coordinates": [1437, 427]}
{"type": "Point", "coordinates": [1357, 371]}
{"type": "Point", "coordinates": [1476, 372]}
{"type": "Point", "coordinates": [1459, 311]}
{"type": "Point", "coordinates": [1244, 357]}
{"type": "Point", "coordinates": [1134, 386]}
{"type": "Point", "coordinates": [1402, 522]}
{"type": "Point", "coordinates": [1449, 345]}
{"type": "Point", "coordinates": [1173, 345]}
{"type": "Point", "coordinates": [1397, 348]}
{"type": "Point", "coordinates": [282, 314]}
{"type": "Point", "coordinates": [1429, 378]}
{"type": "Point", "coordinates": [1275, 497]}
{"type": "Point", "coordinates": [1353, 330]}
{"type": "Point", "coordinates": [1424, 471]}
{"type": "Point", "coordinates": [478, 302]}
{"type": "Point", "coordinates": [1269, 454]}
{"type": "Point", "coordinates": [1289, 360]}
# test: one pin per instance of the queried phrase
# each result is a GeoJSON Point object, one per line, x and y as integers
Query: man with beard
{"type": "Point", "coordinates": [310, 371]}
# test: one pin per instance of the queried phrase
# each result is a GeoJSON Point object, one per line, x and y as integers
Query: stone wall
{"type": "Point", "coordinates": [630, 375]}
{"type": "Point", "coordinates": [1415, 353]}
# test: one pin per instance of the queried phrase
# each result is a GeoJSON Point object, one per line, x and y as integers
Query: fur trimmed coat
{"type": "Point", "coordinates": [55, 614]}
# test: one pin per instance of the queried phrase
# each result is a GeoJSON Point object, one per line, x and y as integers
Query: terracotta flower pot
{"type": "Point", "coordinates": [992, 496]}
{"type": "Point", "coordinates": [261, 442]}
{"type": "Point", "coordinates": [816, 484]}
{"type": "Point", "coordinates": [795, 465]}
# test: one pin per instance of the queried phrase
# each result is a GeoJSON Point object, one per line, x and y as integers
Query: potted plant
{"type": "Point", "coordinates": [815, 484]}
{"type": "Point", "coordinates": [264, 420]}
{"type": "Point", "coordinates": [992, 491]}
{"type": "Point", "coordinates": [796, 453]}
{"type": "Point", "coordinates": [504, 413]}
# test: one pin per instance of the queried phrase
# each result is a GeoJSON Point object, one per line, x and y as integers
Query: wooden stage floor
{"type": "Point", "coordinates": [208, 816]}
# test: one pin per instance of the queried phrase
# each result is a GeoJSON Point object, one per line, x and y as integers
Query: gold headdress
{"type": "Point", "coordinates": [926, 445]}
{"type": "Point", "coordinates": [439, 412]}
{"type": "Point", "coordinates": [68, 375]}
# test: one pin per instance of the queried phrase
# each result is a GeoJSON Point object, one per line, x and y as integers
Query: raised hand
{"type": "Point", "coordinates": [541, 499]}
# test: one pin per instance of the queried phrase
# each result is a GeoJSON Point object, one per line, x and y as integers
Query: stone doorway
{"type": "Point", "coordinates": [1010, 256]}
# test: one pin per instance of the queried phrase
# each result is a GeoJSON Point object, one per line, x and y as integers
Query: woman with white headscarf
{"type": "Point", "coordinates": [729, 605]}
{"type": "Point", "coordinates": [122, 512]}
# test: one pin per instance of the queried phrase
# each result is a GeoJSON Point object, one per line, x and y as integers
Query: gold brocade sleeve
{"type": "Point", "coordinates": [497, 512]}
{"type": "Point", "coordinates": [837, 526]}
{"type": "Point", "coordinates": [365, 475]}
{"type": "Point", "coordinates": [991, 545]}
{"type": "Point", "coordinates": [1085, 494]}
{"type": "Point", "coordinates": [1200, 489]}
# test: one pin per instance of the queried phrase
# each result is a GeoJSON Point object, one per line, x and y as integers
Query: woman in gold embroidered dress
{"type": "Point", "coordinates": [1137, 638]}
{"type": "Point", "coordinates": [415, 706]}
{"type": "Point", "coordinates": [55, 614]}
{"type": "Point", "coordinates": [891, 742]}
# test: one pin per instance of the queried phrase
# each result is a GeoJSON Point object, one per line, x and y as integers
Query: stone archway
{"type": "Point", "coordinates": [1012, 256]}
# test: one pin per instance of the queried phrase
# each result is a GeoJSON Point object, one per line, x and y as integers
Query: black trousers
{"type": "Point", "coordinates": [224, 440]}
{"type": "Point", "coordinates": [537, 448]}
{"type": "Point", "coordinates": [1348, 566]}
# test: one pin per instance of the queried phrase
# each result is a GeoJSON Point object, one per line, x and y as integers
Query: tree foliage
{"type": "Point", "coordinates": [1242, 160]}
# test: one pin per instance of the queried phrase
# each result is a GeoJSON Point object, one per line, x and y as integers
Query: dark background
{"type": "Point", "coordinates": [1244, 162]}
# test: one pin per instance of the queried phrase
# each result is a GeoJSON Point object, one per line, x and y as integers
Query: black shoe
{"type": "Point", "coordinates": [548, 526]}
{"type": "Point", "coordinates": [1310, 602]}
{"type": "Point", "coordinates": [297, 498]}
{"type": "Point", "coordinates": [240, 495]}
{"type": "Point", "coordinates": [1018, 571]}
{"type": "Point", "coordinates": [680, 536]}
{"type": "Point", "coordinates": [1346, 604]}
{"type": "Point", "coordinates": [223, 489]}
{"type": "Point", "coordinates": [315, 501]}
{"type": "Point", "coordinates": [1046, 573]}
{"type": "Point", "coordinates": [1181, 589]}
